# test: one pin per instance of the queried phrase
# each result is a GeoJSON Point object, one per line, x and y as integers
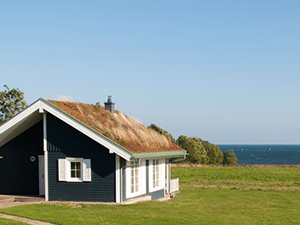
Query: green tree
{"type": "Point", "coordinates": [230, 158]}
{"type": "Point", "coordinates": [163, 132]}
{"type": "Point", "coordinates": [194, 147]}
{"type": "Point", "coordinates": [11, 103]}
{"type": "Point", "coordinates": [214, 153]}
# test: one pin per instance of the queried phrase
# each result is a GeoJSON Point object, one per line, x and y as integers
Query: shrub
{"type": "Point", "coordinates": [230, 158]}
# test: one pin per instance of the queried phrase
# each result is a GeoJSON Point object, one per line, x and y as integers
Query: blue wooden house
{"type": "Point", "coordinates": [69, 151]}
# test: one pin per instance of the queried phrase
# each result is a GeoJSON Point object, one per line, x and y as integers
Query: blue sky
{"type": "Point", "coordinates": [226, 71]}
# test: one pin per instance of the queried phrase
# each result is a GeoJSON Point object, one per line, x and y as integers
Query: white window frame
{"type": "Point", "coordinates": [155, 173]}
{"type": "Point", "coordinates": [64, 170]}
{"type": "Point", "coordinates": [141, 181]}
{"type": "Point", "coordinates": [134, 177]}
{"type": "Point", "coordinates": [161, 176]}
{"type": "Point", "coordinates": [69, 170]}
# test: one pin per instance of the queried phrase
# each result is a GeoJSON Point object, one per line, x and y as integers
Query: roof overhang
{"type": "Point", "coordinates": [163, 154]}
{"type": "Point", "coordinates": [20, 123]}
{"type": "Point", "coordinates": [33, 113]}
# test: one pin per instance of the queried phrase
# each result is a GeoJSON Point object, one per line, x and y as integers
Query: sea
{"type": "Point", "coordinates": [265, 154]}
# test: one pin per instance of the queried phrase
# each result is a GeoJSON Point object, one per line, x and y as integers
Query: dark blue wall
{"type": "Point", "coordinates": [65, 141]}
{"type": "Point", "coordinates": [18, 175]}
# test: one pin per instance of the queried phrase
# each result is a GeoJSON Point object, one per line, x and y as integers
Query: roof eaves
{"type": "Point", "coordinates": [162, 154]}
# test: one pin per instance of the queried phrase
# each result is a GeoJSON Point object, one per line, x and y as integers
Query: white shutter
{"type": "Point", "coordinates": [86, 170]}
{"type": "Point", "coordinates": [61, 170]}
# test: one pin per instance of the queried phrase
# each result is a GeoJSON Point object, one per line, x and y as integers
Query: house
{"type": "Point", "coordinates": [69, 151]}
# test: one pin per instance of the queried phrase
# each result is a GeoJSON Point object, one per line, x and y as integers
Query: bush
{"type": "Point", "coordinates": [162, 131]}
{"type": "Point", "coordinates": [230, 158]}
{"type": "Point", "coordinates": [195, 149]}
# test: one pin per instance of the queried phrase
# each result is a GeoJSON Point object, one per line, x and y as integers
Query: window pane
{"type": "Point", "coordinates": [155, 173]}
{"type": "Point", "coordinates": [78, 165]}
{"type": "Point", "coordinates": [134, 178]}
{"type": "Point", "coordinates": [136, 171]}
{"type": "Point", "coordinates": [75, 169]}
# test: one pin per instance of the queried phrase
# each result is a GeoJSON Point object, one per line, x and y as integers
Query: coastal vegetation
{"type": "Point", "coordinates": [229, 158]}
{"type": "Point", "coordinates": [200, 151]}
{"type": "Point", "coordinates": [209, 195]}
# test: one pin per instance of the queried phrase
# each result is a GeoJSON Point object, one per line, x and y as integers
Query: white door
{"type": "Point", "coordinates": [41, 175]}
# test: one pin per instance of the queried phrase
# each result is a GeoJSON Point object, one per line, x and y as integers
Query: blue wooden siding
{"type": "Point", "coordinates": [65, 141]}
{"type": "Point", "coordinates": [18, 174]}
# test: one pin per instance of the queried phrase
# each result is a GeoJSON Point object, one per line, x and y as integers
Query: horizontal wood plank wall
{"type": "Point", "coordinates": [19, 173]}
{"type": "Point", "coordinates": [65, 141]}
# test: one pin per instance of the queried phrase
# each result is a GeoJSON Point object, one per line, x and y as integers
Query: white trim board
{"type": "Point", "coordinates": [118, 176]}
{"type": "Point", "coordinates": [45, 156]}
{"type": "Point", "coordinates": [42, 105]}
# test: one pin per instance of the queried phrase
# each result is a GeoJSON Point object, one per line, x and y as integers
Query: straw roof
{"type": "Point", "coordinates": [118, 127]}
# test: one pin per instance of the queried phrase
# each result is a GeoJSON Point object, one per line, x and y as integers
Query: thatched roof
{"type": "Point", "coordinates": [118, 127]}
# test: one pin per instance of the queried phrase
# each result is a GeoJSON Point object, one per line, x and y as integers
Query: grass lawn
{"type": "Point", "coordinates": [247, 178]}
{"type": "Point", "coordinates": [209, 195]}
{"type": "Point", "coordinates": [9, 222]}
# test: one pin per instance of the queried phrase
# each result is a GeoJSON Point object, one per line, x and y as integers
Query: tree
{"type": "Point", "coordinates": [163, 132]}
{"type": "Point", "coordinates": [194, 147]}
{"type": "Point", "coordinates": [11, 103]}
{"type": "Point", "coordinates": [214, 153]}
{"type": "Point", "coordinates": [230, 158]}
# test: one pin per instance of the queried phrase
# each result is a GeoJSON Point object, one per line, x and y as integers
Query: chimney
{"type": "Point", "coordinates": [109, 105]}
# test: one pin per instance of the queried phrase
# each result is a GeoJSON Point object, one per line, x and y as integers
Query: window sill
{"type": "Point", "coordinates": [75, 180]}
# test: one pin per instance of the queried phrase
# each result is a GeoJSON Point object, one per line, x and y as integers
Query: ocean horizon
{"type": "Point", "coordinates": [266, 154]}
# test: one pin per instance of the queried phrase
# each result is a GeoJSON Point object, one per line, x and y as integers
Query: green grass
{"type": "Point", "coordinates": [209, 196]}
{"type": "Point", "coordinates": [9, 222]}
{"type": "Point", "coordinates": [247, 178]}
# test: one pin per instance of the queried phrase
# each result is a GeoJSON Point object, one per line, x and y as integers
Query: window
{"type": "Point", "coordinates": [156, 178]}
{"type": "Point", "coordinates": [155, 173]}
{"type": "Point", "coordinates": [74, 170]}
{"type": "Point", "coordinates": [134, 177]}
